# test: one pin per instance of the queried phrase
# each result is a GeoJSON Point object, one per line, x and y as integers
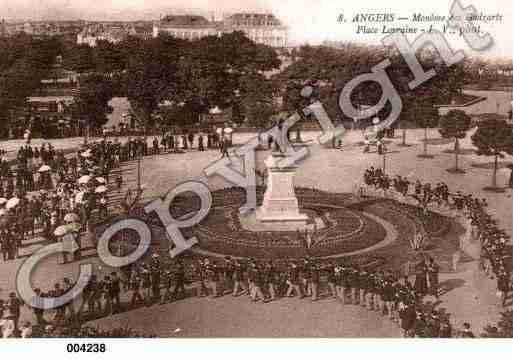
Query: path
{"type": "Point", "coordinates": [331, 170]}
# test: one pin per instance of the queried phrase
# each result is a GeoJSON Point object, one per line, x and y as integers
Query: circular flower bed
{"type": "Point", "coordinates": [345, 226]}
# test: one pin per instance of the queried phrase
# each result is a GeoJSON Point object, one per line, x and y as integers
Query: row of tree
{"type": "Point", "coordinates": [24, 61]}
{"type": "Point", "coordinates": [188, 77]}
{"type": "Point", "coordinates": [191, 77]}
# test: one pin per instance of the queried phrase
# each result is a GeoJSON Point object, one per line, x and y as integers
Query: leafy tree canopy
{"type": "Point", "coordinates": [455, 124]}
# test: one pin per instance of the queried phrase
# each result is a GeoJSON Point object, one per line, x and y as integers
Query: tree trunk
{"type": "Point", "coordinates": [404, 137]}
{"type": "Point", "coordinates": [425, 141]}
{"type": "Point", "coordinates": [86, 136]}
{"type": "Point", "coordinates": [456, 153]}
{"type": "Point", "coordinates": [494, 176]}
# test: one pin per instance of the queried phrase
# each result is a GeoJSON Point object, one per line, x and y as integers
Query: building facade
{"type": "Point", "coordinates": [41, 28]}
{"type": "Point", "coordinates": [112, 32]}
{"type": "Point", "coordinates": [261, 28]}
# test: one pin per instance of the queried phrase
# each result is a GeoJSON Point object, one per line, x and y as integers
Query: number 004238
{"type": "Point", "coordinates": [86, 348]}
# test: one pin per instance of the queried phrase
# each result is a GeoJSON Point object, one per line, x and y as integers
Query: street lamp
{"type": "Point", "coordinates": [382, 150]}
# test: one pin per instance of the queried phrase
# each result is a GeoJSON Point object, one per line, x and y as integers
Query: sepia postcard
{"type": "Point", "coordinates": [255, 169]}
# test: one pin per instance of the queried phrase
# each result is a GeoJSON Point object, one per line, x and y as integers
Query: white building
{"type": "Point", "coordinates": [261, 28]}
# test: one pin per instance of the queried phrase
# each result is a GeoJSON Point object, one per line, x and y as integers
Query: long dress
{"type": "Point", "coordinates": [420, 285]}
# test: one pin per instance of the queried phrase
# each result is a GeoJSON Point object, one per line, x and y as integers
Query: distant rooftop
{"type": "Point", "coordinates": [254, 19]}
{"type": "Point", "coordinates": [237, 19]}
{"type": "Point", "coordinates": [185, 20]}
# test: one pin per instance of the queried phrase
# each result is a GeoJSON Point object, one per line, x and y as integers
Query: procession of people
{"type": "Point", "coordinates": [483, 228]}
{"type": "Point", "coordinates": [49, 193]}
{"type": "Point", "coordinates": [155, 282]}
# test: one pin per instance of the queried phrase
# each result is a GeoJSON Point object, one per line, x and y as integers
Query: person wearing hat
{"type": "Point", "coordinates": [212, 273]}
{"type": "Point", "coordinates": [467, 333]}
{"type": "Point", "coordinates": [103, 210]}
{"type": "Point", "coordinates": [349, 284]}
{"type": "Point", "coordinates": [7, 325]}
{"type": "Point", "coordinates": [106, 284]}
{"type": "Point", "coordinates": [378, 292]}
{"type": "Point", "coordinates": [293, 281]}
{"type": "Point", "coordinates": [433, 325]}
{"type": "Point", "coordinates": [38, 312]}
{"type": "Point", "coordinates": [70, 306]}
{"type": "Point", "coordinates": [4, 244]}
{"type": "Point", "coordinates": [432, 275]}
{"type": "Point", "coordinates": [60, 316]}
{"type": "Point", "coordinates": [14, 305]}
{"type": "Point", "coordinates": [258, 283]}
{"type": "Point", "coordinates": [371, 291]}
{"type": "Point", "coordinates": [407, 315]}
{"type": "Point", "coordinates": [135, 286]}
{"type": "Point", "coordinates": [228, 272]}
{"type": "Point", "coordinates": [314, 280]}
{"type": "Point", "coordinates": [329, 269]}
{"type": "Point", "coordinates": [252, 277]}
{"type": "Point", "coordinates": [146, 284]}
{"type": "Point", "coordinates": [238, 279]}
{"type": "Point", "coordinates": [179, 278]}
{"type": "Point", "coordinates": [503, 284]}
{"type": "Point", "coordinates": [94, 304]}
{"type": "Point", "coordinates": [156, 271]}
{"type": "Point", "coordinates": [304, 275]}
{"type": "Point", "coordinates": [337, 272]}
{"type": "Point", "coordinates": [168, 278]}
{"type": "Point", "coordinates": [355, 285]}
{"type": "Point", "coordinates": [364, 288]}
{"type": "Point", "coordinates": [26, 330]}
{"type": "Point", "coordinates": [270, 279]}
{"type": "Point", "coordinates": [420, 328]}
{"type": "Point", "coordinates": [388, 295]}
{"type": "Point", "coordinates": [445, 327]}
{"type": "Point", "coordinates": [199, 273]}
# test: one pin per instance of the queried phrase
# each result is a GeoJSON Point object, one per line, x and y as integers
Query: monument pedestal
{"type": "Point", "coordinates": [280, 202]}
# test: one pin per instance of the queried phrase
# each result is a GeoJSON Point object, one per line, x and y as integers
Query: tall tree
{"type": "Point", "coordinates": [493, 138]}
{"type": "Point", "coordinates": [226, 71]}
{"type": "Point", "coordinates": [92, 103]}
{"type": "Point", "coordinates": [16, 84]}
{"type": "Point", "coordinates": [454, 125]}
{"type": "Point", "coordinates": [108, 57]}
{"type": "Point", "coordinates": [151, 77]}
{"type": "Point", "coordinates": [79, 58]}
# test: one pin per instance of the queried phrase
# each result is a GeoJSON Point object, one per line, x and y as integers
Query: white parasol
{"type": "Point", "coordinates": [100, 180]}
{"type": "Point", "coordinates": [13, 202]}
{"type": "Point", "coordinates": [101, 189]}
{"type": "Point", "coordinates": [44, 168]}
{"type": "Point", "coordinates": [228, 130]}
{"type": "Point", "coordinates": [84, 179]}
{"type": "Point", "coordinates": [86, 154]}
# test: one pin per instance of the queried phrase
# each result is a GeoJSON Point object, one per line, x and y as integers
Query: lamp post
{"type": "Point", "coordinates": [384, 154]}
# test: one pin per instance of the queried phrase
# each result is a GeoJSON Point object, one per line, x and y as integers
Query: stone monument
{"type": "Point", "coordinates": [280, 203]}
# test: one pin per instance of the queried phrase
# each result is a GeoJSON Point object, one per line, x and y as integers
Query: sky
{"type": "Point", "coordinates": [309, 21]}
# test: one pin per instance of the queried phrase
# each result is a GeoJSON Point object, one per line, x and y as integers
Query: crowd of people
{"type": "Point", "coordinates": [154, 282]}
{"type": "Point", "coordinates": [176, 143]}
{"type": "Point", "coordinates": [44, 189]}
{"type": "Point", "coordinates": [69, 187]}
{"type": "Point", "coordinates": [492, 239]}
